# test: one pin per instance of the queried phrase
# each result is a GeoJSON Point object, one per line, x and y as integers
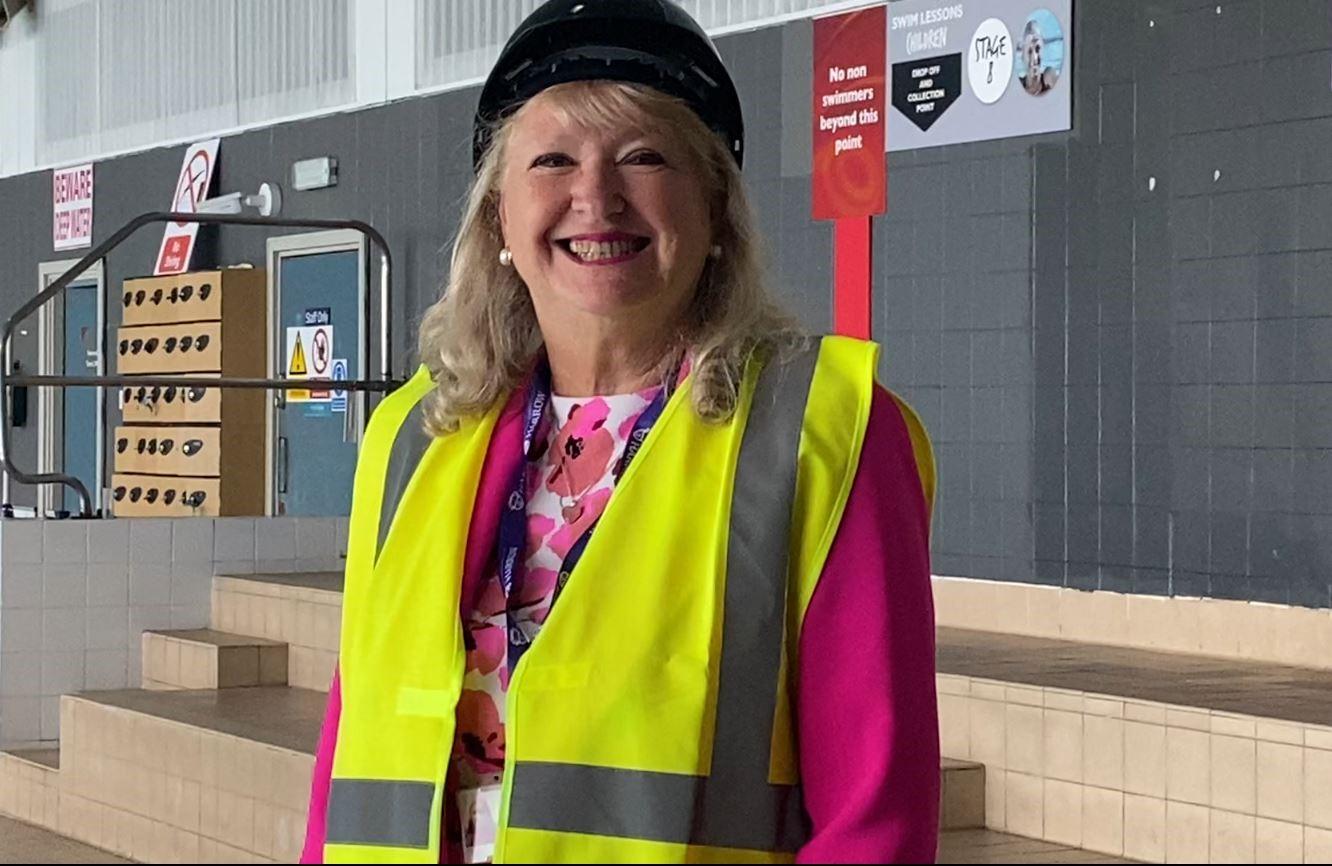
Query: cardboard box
{"type": "Point", "coordinates": [235, 449]}
{"type": "Point", "coordinates": [175, 405]}
{"type": "Point", "coordinates": [191, 451]}
{"type": "Point", "coordinates": [202, 296]}
{"type": "Point", "coordinates": [185, 444]}
{"type": "Point", "coordinates": [195, 348]}
{"type": "Point", "coordinates": [195, 405]}
{"type": "Point", "coordinates": [231, 350]}
{"type": "Point", "coordinates": [161, 496]}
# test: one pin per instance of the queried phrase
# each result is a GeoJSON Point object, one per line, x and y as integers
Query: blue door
{"type": "Point", "coordinates": [78, 406]}
{"type": "Point", "coordinates": [317, 442]}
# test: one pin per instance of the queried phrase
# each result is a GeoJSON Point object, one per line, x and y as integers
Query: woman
{"type": "Point", "coordinates": [1038, 78]}
{"type": "Point", "coordinates": [740, 667]}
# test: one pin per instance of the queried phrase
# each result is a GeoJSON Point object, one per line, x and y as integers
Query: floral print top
{"type": "Point", "coordinates": [570, 476]}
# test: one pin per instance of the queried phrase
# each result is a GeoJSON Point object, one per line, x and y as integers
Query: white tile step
{"type": "Point", "coordinates": [205, 658]}
{"type": "Point", "coordinates": [989, 846]}
{"type": "Point", "coordinates": [303, 611]}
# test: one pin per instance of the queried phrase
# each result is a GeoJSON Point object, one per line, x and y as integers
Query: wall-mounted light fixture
{"type": "Point", "coordinates": [314, 173]}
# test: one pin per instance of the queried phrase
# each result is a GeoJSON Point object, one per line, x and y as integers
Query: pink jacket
{"type": "Point", "coordinates": [866, 712]}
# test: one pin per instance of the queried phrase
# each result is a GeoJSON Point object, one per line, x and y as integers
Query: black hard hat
{"type": "Point", "coordinates": [650, 42]}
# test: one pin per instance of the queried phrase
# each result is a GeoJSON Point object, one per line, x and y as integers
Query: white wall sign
{"type": "Point", "coordinates": [196, 175]}
{"type": "Point", "coordinates": [975, 70]}
{"type": "Point", "coordinates": [72, 207]}
{"type": "Point", "coordinates": [309, 355]}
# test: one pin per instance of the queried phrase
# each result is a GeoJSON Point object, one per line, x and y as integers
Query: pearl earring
{"type": "Point", "coordinates": [506, 257]}
{"type": "Point", "coordinates": [715, 252]}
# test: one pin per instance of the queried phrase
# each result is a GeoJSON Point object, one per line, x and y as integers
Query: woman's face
{"type": "Point", "coordinates": [1033, 51]}
{"type": "Point", "coordinates": [610, 224]}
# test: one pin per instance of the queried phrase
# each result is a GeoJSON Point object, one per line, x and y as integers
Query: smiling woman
{"type": "Point", "coordinates": [592, 161]}
{"type": "Point", "coordinates": [637, 571]}
{"type": "Point", "coordinates": [610, 229]}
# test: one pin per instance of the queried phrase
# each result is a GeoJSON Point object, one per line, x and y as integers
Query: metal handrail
{"type": "Point", "coordinates": [385, 382]}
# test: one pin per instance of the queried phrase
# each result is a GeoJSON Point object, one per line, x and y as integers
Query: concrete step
{"type": "Point", "coordinates": [988, 846]}
{"type": "Point", "coordinates": [21, 842]}
{"type": "Point", "coordinates": [176, 776]}
{"type": "Point", "coordinates": [27, 843]}
{"type": "Point", "coordinates": [165, 776]}
{"type": "Point", "coordinates": [1156, 756]}
{"type": "Point", "coordinates": [963, 793]}
{"type": "Point", "coordinates": [303, 611]}
{"type": "Point", "coordinates": [46, 758]}
{"type": "Point", "coordinates": [28, 787]}
{"type": "Point", "coordinates": [208, 659]}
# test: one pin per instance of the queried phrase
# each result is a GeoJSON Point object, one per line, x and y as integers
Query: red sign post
{"type": "Point", "coordinates": [850, 182]}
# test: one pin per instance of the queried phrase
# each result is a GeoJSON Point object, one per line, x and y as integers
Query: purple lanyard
{"type": "Point", "coordinates": [513, 519]}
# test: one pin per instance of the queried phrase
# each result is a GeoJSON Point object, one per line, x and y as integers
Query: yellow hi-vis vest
{"type": "Point", "coordinates": [651, 718]}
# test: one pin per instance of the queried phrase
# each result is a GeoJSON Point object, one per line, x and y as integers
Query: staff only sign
{"type": "Point", "coordinates": [973, 70]}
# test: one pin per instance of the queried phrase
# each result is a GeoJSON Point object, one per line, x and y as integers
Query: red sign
{"type": "Point", "coordinates": [175, 255]}
{"type": "Point", "coordinates": [850, 110]}
{"type": "Point", "coordinates": [320, 353]}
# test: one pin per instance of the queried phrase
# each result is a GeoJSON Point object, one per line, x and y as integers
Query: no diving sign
{"type": "Point", "coordinates": [196, 176]}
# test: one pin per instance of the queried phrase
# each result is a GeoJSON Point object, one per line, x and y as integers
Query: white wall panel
{"type": "Point", "coordinates": [293, 57]}
{"type": "Point", "coordinates": [111, 76]}
{"type": "Point", "coordinates": [18, 96]}
{"type": "Point", "coordinates": [118, 75]}
{"type": "Point", "coordinates": [458, 40]}
{"type": "Point", "coordinates": [67, 79]}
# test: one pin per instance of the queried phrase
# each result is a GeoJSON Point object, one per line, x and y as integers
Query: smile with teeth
{"type": "Point", "coordinates": [592, 251]}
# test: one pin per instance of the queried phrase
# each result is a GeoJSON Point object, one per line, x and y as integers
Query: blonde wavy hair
{"type": "Point", "coordinates": [480, 339]}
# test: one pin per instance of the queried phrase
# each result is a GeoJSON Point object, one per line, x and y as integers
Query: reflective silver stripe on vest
{"type": "Point", "coordinates": [371, 812]}
{"type": "Point", "coordinates": [735, 806]}
{"type": "Point", "coordinates": [409, 446]}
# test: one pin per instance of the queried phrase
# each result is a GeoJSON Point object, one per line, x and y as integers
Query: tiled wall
{"type": "Point", "coordinates": [1149, 781]}
{"type": "Point", "coordinates": [1121, 338]}
{"type": "Point", "coordinates": [75, 596]}
{"type": "Point", "coordinates": [1220, 628]}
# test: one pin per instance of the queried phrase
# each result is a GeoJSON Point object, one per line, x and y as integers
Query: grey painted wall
{"type": "Point", "coordinates": [1127, 389]}
{"type": "Point", "coordinates": [1131, 388]}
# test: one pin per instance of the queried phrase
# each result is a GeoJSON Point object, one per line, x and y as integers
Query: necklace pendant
{"type": "Point", "coordinates": [572, 512]}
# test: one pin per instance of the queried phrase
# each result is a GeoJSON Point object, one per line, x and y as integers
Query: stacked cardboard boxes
{"type": "Point", "coordinates": [186, 451]}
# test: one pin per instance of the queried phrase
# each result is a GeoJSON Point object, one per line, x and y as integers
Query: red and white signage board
{"type": "Point", "coordinates": [849, 173]}
{"type": "Point", "coordinates": [72, 207]}
{"type": "Point", "coordinates": [850, 107]}
{"type": "Point", "coordinates": [196, 175]}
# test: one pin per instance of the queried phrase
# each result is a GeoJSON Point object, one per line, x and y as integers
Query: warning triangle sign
{"type": "Point", "coordinates": [298, 359]}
